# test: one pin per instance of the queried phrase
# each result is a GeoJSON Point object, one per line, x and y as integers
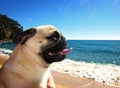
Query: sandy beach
{"type": "Point", "coordinates": [67, 81]}
{"type": "Point", "coordinates": [3, 58]}
{"type": "Point", "coordinates": [105, 74]}
{"type": "Point", "coordinates": [64, 77]}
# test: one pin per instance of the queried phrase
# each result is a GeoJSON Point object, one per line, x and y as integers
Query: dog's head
{"type": "Point", "coordinates": [45, 41]}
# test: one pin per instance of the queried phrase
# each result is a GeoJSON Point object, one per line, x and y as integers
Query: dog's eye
{"type": "Point", "coordinates": [54, 36]}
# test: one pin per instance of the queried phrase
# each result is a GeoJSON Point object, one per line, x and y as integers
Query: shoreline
{"type": "Point", "coordinates": [108, 75]}
{"type": "Point", "coordinates": [105, 74]}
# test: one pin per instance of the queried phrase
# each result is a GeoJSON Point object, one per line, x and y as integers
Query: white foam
{"type": "Point", "coordinates": [6, 51]}
{"type": "Point", "coordinates": [108, 74]}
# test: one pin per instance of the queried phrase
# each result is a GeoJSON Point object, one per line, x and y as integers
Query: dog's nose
{"type": "Point", "coordinates": [63, 39]}
{"type": "Point", "coordinates": [54, 36]}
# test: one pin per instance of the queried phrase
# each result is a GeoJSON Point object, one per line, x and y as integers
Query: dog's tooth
{"type": "Point", "coordinates": [50, 54]}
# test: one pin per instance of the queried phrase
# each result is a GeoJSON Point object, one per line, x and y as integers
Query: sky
{"type": "Point", "coordinates": [76, 19]}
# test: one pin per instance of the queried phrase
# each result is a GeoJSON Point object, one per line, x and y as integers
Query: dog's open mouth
{"type": "Point", "coordinates": [55, 56]}
{"type": "Point", "coordinates": [61, 53]}
{"type": "Point", "coordinates": [57, 52]}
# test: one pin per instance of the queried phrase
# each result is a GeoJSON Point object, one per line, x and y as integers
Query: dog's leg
{"type": "Point", "coordinates": [50, 82]}
{"type": "Point", "coordinates": [43, 83]}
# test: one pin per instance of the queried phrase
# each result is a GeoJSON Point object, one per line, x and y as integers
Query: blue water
{"type": "Point", "coordinates": [6, 46]}
{"type": "Point", "coordinates": [92, 51]}
{"type": "Point", "coordinates": [96, 51]}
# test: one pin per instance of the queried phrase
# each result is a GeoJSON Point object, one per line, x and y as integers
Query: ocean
{"type": "Point", "coordinates": [90, 51]}
{"type": "Point", "coordinates": [95, 51]}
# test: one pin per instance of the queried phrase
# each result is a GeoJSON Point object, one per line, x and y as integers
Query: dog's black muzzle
{"type": "Point", "coordinates": [54, 53]}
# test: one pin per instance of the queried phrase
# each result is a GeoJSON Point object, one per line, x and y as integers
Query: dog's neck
{"type": "Point", "coordinates": [26, 68]}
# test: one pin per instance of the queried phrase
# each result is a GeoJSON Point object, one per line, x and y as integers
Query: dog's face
{"type": "Point", "coordinates": [45, 41]}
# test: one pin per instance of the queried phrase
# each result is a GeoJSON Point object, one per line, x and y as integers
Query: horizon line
{"type": "Point", "coordinates": [92, 39]}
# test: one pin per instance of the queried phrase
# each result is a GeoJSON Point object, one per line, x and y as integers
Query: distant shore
{"type": "Point", "coordinates": [3, 50]}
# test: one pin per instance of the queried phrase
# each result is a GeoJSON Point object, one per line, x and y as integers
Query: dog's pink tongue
{"type": "Point", "coordinates": [65, 51]}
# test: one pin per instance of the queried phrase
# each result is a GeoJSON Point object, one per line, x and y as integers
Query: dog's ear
{"type": "Point", "coordinates": [24, 36]}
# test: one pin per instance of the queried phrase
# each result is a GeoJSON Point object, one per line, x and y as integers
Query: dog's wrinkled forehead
{"type": "Point", "coordinates": [40, 30]}
{"type": "Point", "coordinates": [46, 30]}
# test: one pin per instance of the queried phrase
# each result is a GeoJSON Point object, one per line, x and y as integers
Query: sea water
{"type": "Point", "coordinates": [91, 51]}
{"type": "Point", "coordinates": [95, 51]}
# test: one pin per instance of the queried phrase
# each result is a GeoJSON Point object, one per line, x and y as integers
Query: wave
{"type": "Point", "coordinates": [5, 51]}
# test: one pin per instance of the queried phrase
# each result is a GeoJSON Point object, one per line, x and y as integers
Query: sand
{"type": "Point", "coordinates": [3, 58]}
{"type": "Point", "coordinates": [65, 80]}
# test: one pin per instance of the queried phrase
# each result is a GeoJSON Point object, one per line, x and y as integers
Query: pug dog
{"type": "Point", "coordinates": [36, 49]}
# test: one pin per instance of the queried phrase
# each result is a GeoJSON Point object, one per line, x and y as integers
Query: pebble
{"type": "Point", "coordinates": [108, 74]}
